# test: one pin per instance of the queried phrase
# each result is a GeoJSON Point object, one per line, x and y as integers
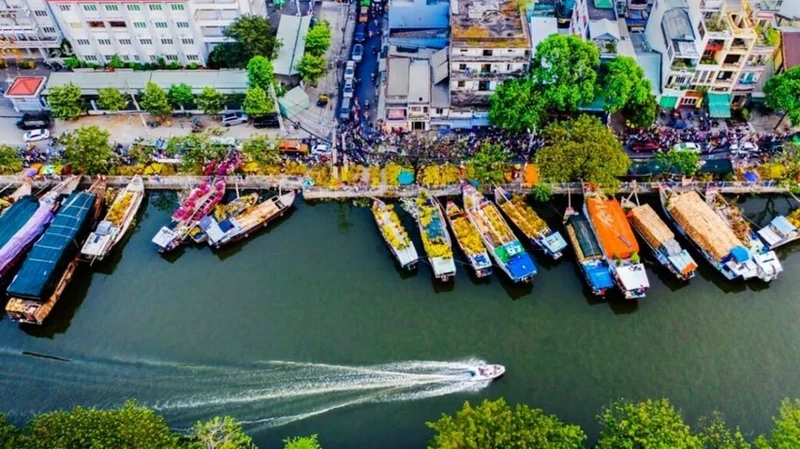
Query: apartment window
{"type": "Point", "coordinates": [161, 25]}
{"type": "Point", "coordinates": [65, 7]}
{"type": "Point", "coordinates": [171, 57]}
{"type": "Point", "coordinates": [182, 24]}
{"type": "Point", "coordinates": [117, 24]}
{"type": "Point", "coordinates": [166, 41]}
{"type": "Point", "coordinates": [108, 57]}
{"type": "Point", "coordinates": [187, 41]}
{"type": "Point", "coordinates": [484, 85]}
{"type": "Point", "coordinates": [96, 24]}
{"type": "Point", "coordinates": [439, 111]}
{"type": "Point", "coordinates": [49, 30]}
{"type": "Point", "coordinates": [40, 13]}
{"type": "Point", "coordinates": [82, 41]}
{"type": "Point", "coordinates": [689, 101]}
{"type": "Point", "coordinates": [146, 41]}
{"type": "Point", "coordinates": [90, 58]}
{"type": "Point", "coordinates": [90, 7]}
{"type": "Point", "coordinates": [463, 50]}
{"type": "Point", "coordinates": [136, 57]}
{"type": "Point", "coordinates": [462, 67]}
{"type": "Point", "coordinates": [153, 58]}
{"type": "Point", "coordinates": [462, 84]}
{"type": "Point", "coordinates": [104, 41]}
{"type": "Point", "coordinates": [126, 58]}
{"type": "Point", "coordinates": [133, 7]}
{"type": "Point", "coordinates": [75, 25]}
{"type": "Point", "coordinates": [192, 57]}
{"type": "Point", "coordinates": [139, 25]}
{"type": "Point", "coordinates": [487, 52]}
{"type": "Point", "coordinates": [154, 7]}
{"type": "Point", "coordinates": [112, 7]}
{"type": "Point", "coordinates": [177, 7]}
{"type": "Point", "coordinates": [125, 42]}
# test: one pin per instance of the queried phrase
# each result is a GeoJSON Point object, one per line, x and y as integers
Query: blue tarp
{"type": "Point", "coordinates": [599, 277]}
{"type": "Point", "coordinates": [16, 216]}
{"type": "Point", "coordinates": [750, 177]}
{"type": "Point", "coordinates": [405, 177]}
{"type": "Point", "coordinates": [740, 254]}
{"type": "Point", "coordinates": [521, 266]}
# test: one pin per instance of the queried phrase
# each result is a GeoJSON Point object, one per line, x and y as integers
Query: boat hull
{"type": "Point", "coordinates": [248, 232]}
{"type": "Point", "coordinates": [486, 373]}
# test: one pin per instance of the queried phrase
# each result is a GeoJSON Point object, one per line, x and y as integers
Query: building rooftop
{"type": "Point", "coordinates": [541, 28]}
{"type": "Point", "coordinates": [601, 9]}
{"type": "Point", "coordinates": [225, 81]}
{"type": "Point", "coordinates": [487, 23]}
{"type": "Point", "coordinates": [397, 78]}
{"type": "Point", "coordinates": [25, 86]}
{"type": "Point", "coordinates": [418, 15]}
{"type": "Point", "coordinates": [420, 90]}
{"type": "Point", "coordinates": [791, 49]}
{"type": "Point", "coordinates": [790, 9]}
{"type": "Point", "coordinates": [440, 95]}
{"type": "Point", "coordinates": [291, 34]}
{"type": "Point", "coordinates": [649, 60]}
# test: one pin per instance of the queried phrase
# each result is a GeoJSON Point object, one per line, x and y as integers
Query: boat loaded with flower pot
{"type": "Point", "coordinates": [435, 237]}
{"type": "Point", "coordinates": [248, 217]}
{"type": "Point", "coordinates": [469, 240]}
{"type": "Point", "coordinates": [394, 234]}
{"type": "Point", "coordinates": [616, 239]}
{"type": "Point", "coordinates": [504, 247]}
{"type": "Point", "coordinates": [117, 221]}
{"type": "Point", "coordinates": [528, 222]}
{"type": "Point", "coordinates": [198, 204]}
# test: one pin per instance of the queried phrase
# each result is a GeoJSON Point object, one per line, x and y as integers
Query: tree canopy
{"type": "Point", "coordinates": [489, 163]}
{"type": "Point", "coordinates": [309, 442]}
{"type": "Point", "coordinates": [516, 105]}
{"type": "Point", "coordinates": [565, 69]}
{"type": "Point", "coordinates": [624, 83]}
{"type": "Point", "coordinates": [210, 101]}
{"type": "Point", "coordinates": [684, 161]}
{"type": "Point", "coordinates": [88, 149]}
{"type": "Point", "coordinates": [221, 433]}
{"type": "Point", "coordinates": [257, 102]}
{"type": "Point", "coordinates": [318, 38]}
{"type": "Point", "coordinates": [10, 161]}
{"type": "Point", "coordinates": [66, 101]}
{"type": "Point", "coordinates": [180, 95]}
{"type": "Point", "coordinates": [260, 73]}
{"type": "Point", "coordinates": [494, 424]}
{"type": "Point", "coordinates": [642, 115]}
{"type": "Point", "coordinates": [715, 434]}
{"type": "Point", "coordinates": [251, 35]}
{"type": "Point", "coordinates": [312, 68]}
{"type": "Point", "coordinates": [111, 99]}
{"type": "Point", "coordinates": [196, 150]}
{"type": "Point", "coordinates": [644, 425]}
{"type": "Point", "coordinates": [786, 431]}
{"type": "Point", "coordinates": [582, 149]}
{"type": "Point", "coordinates": [155, 101]}
{"type": "Point", "coordinates": [782, 93]}
{"type": "Point", "coordinates": [260, 148]}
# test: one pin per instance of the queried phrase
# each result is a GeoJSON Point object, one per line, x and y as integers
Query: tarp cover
{"type": "Point", "coordinates": [613, 231]}
{"type": "Point", "coordinates": [32, 229]}
{"type": "Point", "coordinates": [589, 246]}
{"type": "Point", "coordinates": [15, 217]}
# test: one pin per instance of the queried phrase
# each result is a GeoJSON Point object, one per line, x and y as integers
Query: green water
{"type": "Point", "coordinates": [201, 333]}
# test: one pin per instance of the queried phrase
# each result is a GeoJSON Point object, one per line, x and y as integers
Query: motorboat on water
{"type": "Point", "coordinates": [486, 372]}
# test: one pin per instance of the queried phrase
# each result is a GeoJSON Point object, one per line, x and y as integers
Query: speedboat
{"type": "Point", "coordinates": [486, 372]}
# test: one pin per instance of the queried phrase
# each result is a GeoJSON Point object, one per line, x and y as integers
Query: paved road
{"type": "Point", "coordinates": [366, 88]}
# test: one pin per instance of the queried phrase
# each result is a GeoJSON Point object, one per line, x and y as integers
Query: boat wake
{"type": "Point", "coordinates": [261, 394]}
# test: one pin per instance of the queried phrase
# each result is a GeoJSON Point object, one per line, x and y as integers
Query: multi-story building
{"type": "Point", "coordinates": [419, 23]}
{"type": "Point", "coordinates": [27, 28]}
{"type": "Point", "coordinates": [182, 31]}
{"type": "Point", "coordinates": [416, 95]}
{"type": "Point", "coordinates": [489, 43]}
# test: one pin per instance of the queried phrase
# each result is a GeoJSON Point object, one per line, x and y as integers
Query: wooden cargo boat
{"type": "Point", "coordinates": [198, 204]}
{"type": "Point", "coordinates": [435, 237]}
{"type": "Point", "coordinates": [247, 221]}
{"type": "Point", "coordinates": [21, 191]}
{"type": "Point", "coordinates": [118, 220]}
{"type": "Point", "coordinates": [588, 253]}
{"type": "Point", "coordinates": [394, 234]}
{"type": "Point", "coordinates": [529, 223]}
{"type": "Point", "coordinates": [469, 240]}
{"type": "Point", "coordinates": [661, 240]}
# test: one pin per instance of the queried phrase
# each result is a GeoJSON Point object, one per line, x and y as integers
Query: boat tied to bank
{"type": "Point", "coordinates": [394, 234]}
{"type": "Point", "coordinates": [780, 231]}
{"type": "Point", "coordinates": [661, 240]}
{"type": "Point", "coordinates": [7, 201]}
{"type": "Point", "coordinates": [51, 263]}
{"type": "Point", "coordinates": [504, 247]}
{"type": "Point", "coordinates": [198, 204]}
{"type": "Point", "coordinates": [469, 240]}
{"type": "Point", "coordinates": [435, 237]}
{"type": "Point", "coordinates": [528, 222]}
{"type": "Point", "coordinates": [619, 245]}
{"type": "Point", "coordinates": [247, 220]}
{"type": "Point", "coordinates": [593, 264]}
{"type": "Point", "coordinates": [118, 220]}
{"type": "Point", "coordinates": [709, 233]}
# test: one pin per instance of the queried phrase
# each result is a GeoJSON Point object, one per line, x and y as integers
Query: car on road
{"type": "Point", "coordinates": [644, 145]}
{"type": "Point", "coordinates": [344, 109]}
{"type": "Point", "coordinates": [358, 52]}
{"type": "Point", "coordinates": [34, 121]}
{"type": "Point", "coordinates": [350, 70]}
{"type": "Point", "coordinates": [687, 146]}
{"type": "Point", "coordinates": [267, 121]}
{"type": "Point", "coordinates": [360, 35]}
{"type": "Point", "coordinates": [36, 135]}
{"type": "Point", "coordinates": [321, 150]}
{"type": "Point", "coordinates": [349, 89]}
{"type": "Point", "coordinates": [362, 17]}
{"type": "Point", "coordinates": [234, 118]}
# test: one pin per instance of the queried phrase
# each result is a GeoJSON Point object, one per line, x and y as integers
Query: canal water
{"type": "Point", "coordinates": [310, 328]}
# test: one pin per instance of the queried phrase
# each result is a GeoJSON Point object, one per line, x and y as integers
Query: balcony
{"type": "Point", "coordinates": [464, 75]}
{"type": "Point", "coordinates": [455, 56]}
{"type": "Point", "coordinates": [710, 4]}
{"type": "Point", "coordinates": [49, 43]}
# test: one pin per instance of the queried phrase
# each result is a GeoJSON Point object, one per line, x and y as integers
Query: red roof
{"type": "Point", "coordinates": [791, 49]}
{"type": "Point", "coordinates": [25, 86]}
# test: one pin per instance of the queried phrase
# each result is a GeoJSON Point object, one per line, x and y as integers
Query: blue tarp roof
{"type": "Point", "coordinates": [599, 276]}
{"type": "Point", "coordinates": [55, 248]}
{"type": "Point", "coordinates": [521, 265]}
{"type": "Point", "coordinates": [15, 217]}
{"type": "Point", "coordinates": [740, 254]}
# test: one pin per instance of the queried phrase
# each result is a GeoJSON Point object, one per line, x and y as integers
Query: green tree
{"type": "Point", "coordinates": [582, 149]}
{"type": "Point", "coordinates": [221, 433]}
{"type": "Point", "coordinates": [87, 149]}
{"type": "Point", "coordinates": [8, 434]}
{"type": "Point", "coordinates": [318, 38]}
{"type": "Point", "coordinates": [782, 93]}
{"type": "Point", "coordinates": [493, 424]}
{"type": "Point", "coordinates": [66, 101]}
{"type": "Point", "coordinates": [111, 99]}
{"type": "Point", "coordinates": [116, 62]}
{"type": "Point", "coordinates": [195, 151]}
{"type": "Point", "coordinates": [685, 161]}
{"type": "Point", "coordinates": [517, 105]}
{"type": "Point", "coordinates": [131, 426]}
{"type": "Point", "coordinates": [257, 102]}
{"type": "Point", "coordinates": [565, 69]}
{"type": "Point", "coordinates": [251, 36]}
{"type": "Point", "coordinates": [312, 68]}
{"type": "Point", "coordinates": [489, 163]}
{"type": "Point", "coordinates": [309, 442]}
{"type": "Point", "coordinates": [180, 95]}
{"type": "Point", "coordinates": [260, 73]}
{"type": "Point", "coordinates": [624, 82]}
{"type": "Point", "coordinates": [10, 163]}
{"type": "Point", "coordinates": [644, 425]}
{"type": "Point", "coordinates": [155, 101]}
{"type": "Point", "coordinates": [542, 192]}
{"type": "Point", "coordinates": [211, 101]}
{"type": "Point", "coordinates": [786, 430]}
{"type": "Point", "coordinates": [642, 115]}
{"type": "Point", "coordinates": [260, 148]}
{"type": "Point", "coordinates": [715, 434]}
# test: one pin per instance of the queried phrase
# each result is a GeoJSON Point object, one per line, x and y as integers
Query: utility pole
{"type": "Point", "coordinates": [277, 109]}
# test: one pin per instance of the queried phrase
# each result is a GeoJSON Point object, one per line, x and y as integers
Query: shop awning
{"type": "Point", "coordinates": [719, 105]}
{"type": "Point", "coordinates": [668, 102]}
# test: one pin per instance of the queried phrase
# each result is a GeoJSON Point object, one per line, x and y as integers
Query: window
{"type": "Point", "coordinates": [40, 13]}
{"type": "Point", "coordinates": [166, 41]}
{"type": "Point", "coordinates": [154, 7]}
{"type": "Point", "coordinates": [153, 58]}
{"type": "Point", "coordinates": [117, 24]}
{"type": "Point", "coordinates": [439, 111]}
{"type": "Point", "coordinates": [96, 24]}
{"type": "Point", "coordinates": [463, 50]}
{"type": "Point", "coordinates": [104, 41]}
{"type": "Point", "coordinates": [133, 8]}
{"type": "Point", "coordinates": [65, 7]}
{"type": "Point", "coordinates": [187, 41]}
{"type": "Point", "coordinates": [177, 7]}
{"type": "Point", "coordinates": [49, 30]}
{"type": "Point", "coordinates": [171, 57]}
{"type": "Point", "coordinates": [689, 101]}
{"type": "Point", "coordinates": [139, 25]}
{"type": "Point", "coordinates": [125, 42]}
{"type": "Point", "coordinates": [90, 58]}
{"type": "Point", "coordinates": [462, 67]}
{"type": "Point", "coordinates": [192, 57]}
{"type": "Point", "coordinates": [182, 24]}
{"type": "Point", "coordinates": [112, 7]}
{"type": "Point", "coordinates": [108, 57]}
{"type": "Point", "coordinates": [484, 85]}
{"type": "Point", "coordinates": [126, 58]}
{"type": "Point", "coordinates": [462, 84]}
{"type": "Point", "coordinates": [82, 41]}
{"type": "Point", "coordinates": [487, 52]}
{"type": "Point", "coordinates": [146, 41]}
{"type": "Point", "coordinates": [90, 7]}
{"type": "Point", "coordinates": [161, 25]}
{"type": "Point", "coordinates": [75, 25]}
{"type": "Point", "coordinates": [136, 57]}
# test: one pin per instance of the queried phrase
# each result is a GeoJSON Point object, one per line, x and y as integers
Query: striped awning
{"type": "Point", "coordinates": [668, 102]}
{"type": "Point", "coordinates": [719, 105]}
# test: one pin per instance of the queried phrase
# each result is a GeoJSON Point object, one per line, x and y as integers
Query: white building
{"type": "Point", "coordinates": [27, 29]}
{"type": "Point", "coordinates": [182, 31]}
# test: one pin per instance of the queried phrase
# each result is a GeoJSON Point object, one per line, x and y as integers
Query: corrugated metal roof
{"type": "Point", "coordinates": [292, 32]}
{"type": "Point", "coordinates": [420, 90]}
{"type": "Point", "coordinates": [677, 25]}
{"type": "Point", "coordinates": [226, 81]}
{"type": "Point", "coordinates": [398, 77]}
{"type": "Point", "coordinates": [604, 29]}
{"type": "Point", "coordinates": [790, 48]}
{"type": "Point", "coordinates": [440, 95]}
